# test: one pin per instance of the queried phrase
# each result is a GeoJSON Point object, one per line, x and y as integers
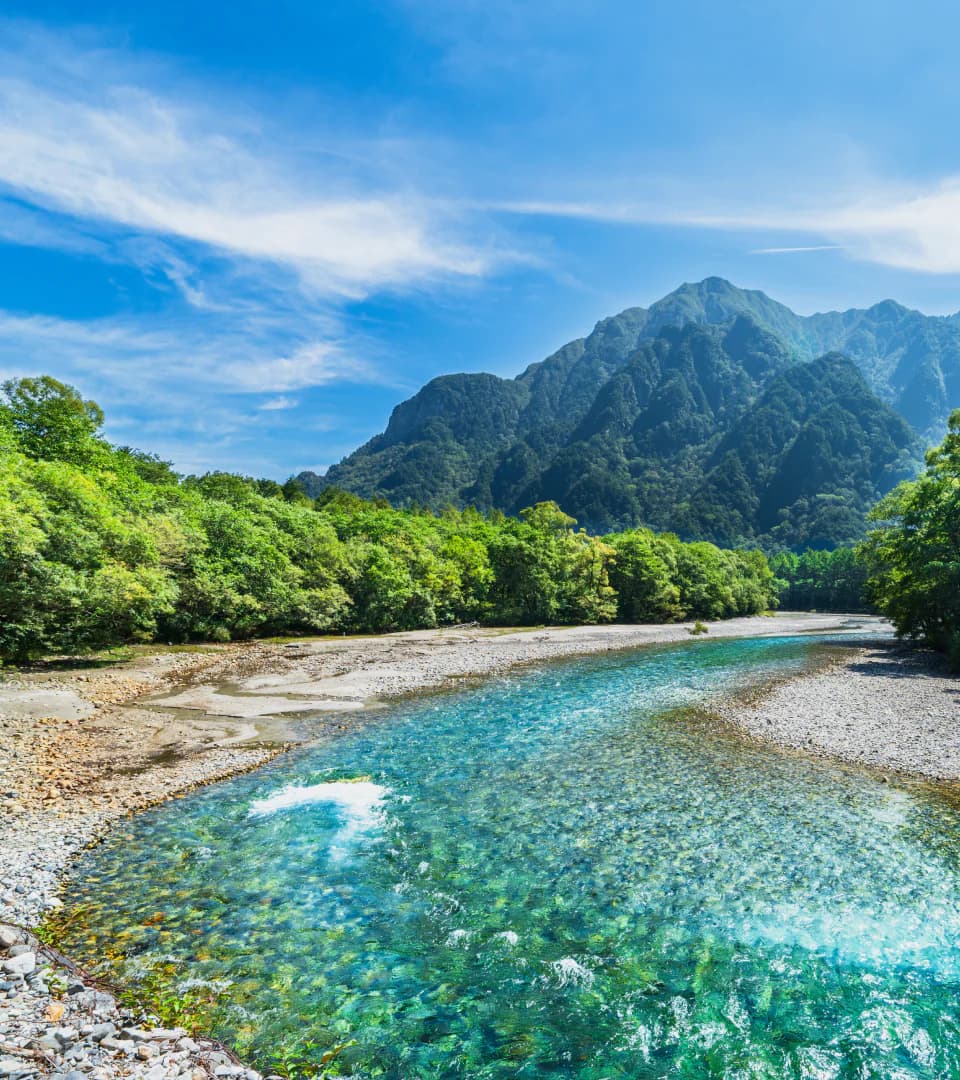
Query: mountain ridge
{"type": "Point", "coordinates": [492, 441]}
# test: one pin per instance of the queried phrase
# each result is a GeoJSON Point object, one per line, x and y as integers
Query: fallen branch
{"type": "Point", "coordinates": [23, 1051]}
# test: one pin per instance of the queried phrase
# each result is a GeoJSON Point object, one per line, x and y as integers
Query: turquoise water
{"type": "Point", "coordinates": [552, 875]}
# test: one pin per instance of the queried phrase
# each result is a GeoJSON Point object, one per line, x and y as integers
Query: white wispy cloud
{"type": "Point", "coordinates": [798, 250]}
{"type": "Point", "coordinates": [79, 142]}
{"type": "Point", "coordinates": [910, 227]}
{"type": "Point", "coordinates": [279, 403]}
{"type": "Point", "coordinates": [259, 236]}
{"type": "Point", "coordinates": [174, 357]}
{"type": "Point", "coordinates": [203, 397]}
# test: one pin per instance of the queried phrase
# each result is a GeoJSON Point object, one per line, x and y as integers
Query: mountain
{"type": "Point", "coordinates": [655, 414]}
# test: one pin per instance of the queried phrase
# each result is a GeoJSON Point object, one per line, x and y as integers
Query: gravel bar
{"type": "Point", "coordinates": [886, 706]}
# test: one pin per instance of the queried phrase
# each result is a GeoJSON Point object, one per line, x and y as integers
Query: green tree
{"type": "Point", "coordinates": [101, 545]}
{"type": "Point", "coordinates": [913, 554]}
{"type": "Point", "coordinates": [51, 420]}
{"type": "Point", "coordinates": [816, 580]}
{"type": "Point", "coordinates": [644, 576]}
{"type": "Point", "coordinates": [76, 571]}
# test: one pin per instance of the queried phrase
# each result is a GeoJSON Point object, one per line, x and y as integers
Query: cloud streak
{"type": "Point", "coordinates": [258, 245]}
{"type": "Point", "coordinates": [205, 398]}
{"type": "Point", "coordinates": [909, 229]}
{"type": "Point", "coordinates": [96, 148]}
{"type": "Point", "coordinates": [796, 250]}
{"type": "Point", "coordinates": [179, 353]}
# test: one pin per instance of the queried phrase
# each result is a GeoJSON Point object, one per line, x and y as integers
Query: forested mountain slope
{"type": "Point", "coordinates": [623, 426]}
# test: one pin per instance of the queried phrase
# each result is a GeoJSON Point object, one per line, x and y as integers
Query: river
{"type": "Point", "coordinates": [565, 872]}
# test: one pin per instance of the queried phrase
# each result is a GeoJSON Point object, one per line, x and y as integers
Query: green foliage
{"type": "Point", "coordinates": [545, 572]}
{"type": "Point", "coordinates": [660, 579]}
{"type": "Point", "coordinates": [103, 545]}
{"type": "Point", "coordinates": [821, 580]}
{"type": "Point", "coordinates": [644, 575]}
{"type": "Point", "coordinates": [913, 554]}
{"type": "Point", "coordinates": [77, 570]}
{"type": "Point", "coordinates": [51, 420]}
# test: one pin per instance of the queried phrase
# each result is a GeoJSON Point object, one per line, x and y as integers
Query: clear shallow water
{"type": "Point", "coordinates": [552, 876]}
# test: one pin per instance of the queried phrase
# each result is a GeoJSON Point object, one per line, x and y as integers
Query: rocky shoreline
{"type": "Point", "coordinates": [69, 768]}
{"type": "Point", "coordinates": [55, 1023]}
{"type": "Point", "coordinates": [81, 748]}
{"type": "Point", "coordinates": [885, 706]}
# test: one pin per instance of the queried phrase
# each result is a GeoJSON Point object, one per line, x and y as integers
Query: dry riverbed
{"type": "Point", "coordinates": [81, 747]}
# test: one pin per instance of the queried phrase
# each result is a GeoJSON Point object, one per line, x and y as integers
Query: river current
{"type": "Point", "coordinates": [565, 872]}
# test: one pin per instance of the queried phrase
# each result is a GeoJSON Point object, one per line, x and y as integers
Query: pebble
{"type": "Point", "coordinates": [86, 1035]}
{"type": "Point", "coordinates": [42, 829]}
{"type": "Point", "coordinates": [882, 705]}
{"type": "Point", "coordinates": [21, 963]}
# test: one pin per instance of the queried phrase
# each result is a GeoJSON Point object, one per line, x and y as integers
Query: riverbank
{"type": "Point", "coordinates": [76, 754]}
{"type": "Point", "coordinates": [82, 747]}
{"type": "Point", "coordinates": [887, 706]}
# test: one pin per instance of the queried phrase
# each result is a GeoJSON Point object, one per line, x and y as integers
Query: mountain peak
{"type": "Point", "coordinates": [621, 426]}
{"type": "Point", "coordinates": [889, 309]}
{"type": "Point", "coordinates": [711, 286]}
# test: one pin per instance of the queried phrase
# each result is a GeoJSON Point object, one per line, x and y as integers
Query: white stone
{"type": "Point", "coordinates": [24, 964]}
{"type": "Point", "coordinates": [118, 1045]}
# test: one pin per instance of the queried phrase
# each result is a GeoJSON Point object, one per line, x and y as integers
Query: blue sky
{"type": "Point", "coordinates": [249, 231]}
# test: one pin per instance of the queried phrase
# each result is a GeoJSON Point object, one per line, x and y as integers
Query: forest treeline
{"type": "Point", "coordinates": [101, 545]}
{"type": "Point", "coordinates": [912, 554]}
{"type": "Point", "coordinates": [816, 580]}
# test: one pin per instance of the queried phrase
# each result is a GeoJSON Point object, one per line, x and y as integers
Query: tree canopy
{"type": "Point", "coordinates": [816, 580]}
{"type": "Point", "coordinates": [101, 545]}
{"type": "Point", "coordinates": [913, 553]}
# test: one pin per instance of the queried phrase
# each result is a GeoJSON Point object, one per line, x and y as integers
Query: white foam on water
{"type": "Point", "coordinates": [570, 972]}
{"type": "Point", "coordinates": [707, 1035]}
{"type": "Point", "coordinates": [360, 802]}
{"type": "Point", "coordinates": [508, 937]}
{"type": "Point", "coordinates": [216, 985]}
{"type": "Point", "coordinates": [818, 1063]}
{"type": "Point", "coordinates": [892, 808]}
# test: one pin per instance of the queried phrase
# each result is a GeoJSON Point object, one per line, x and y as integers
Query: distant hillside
{"type": "Point", "coordinates": [653, 418]}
